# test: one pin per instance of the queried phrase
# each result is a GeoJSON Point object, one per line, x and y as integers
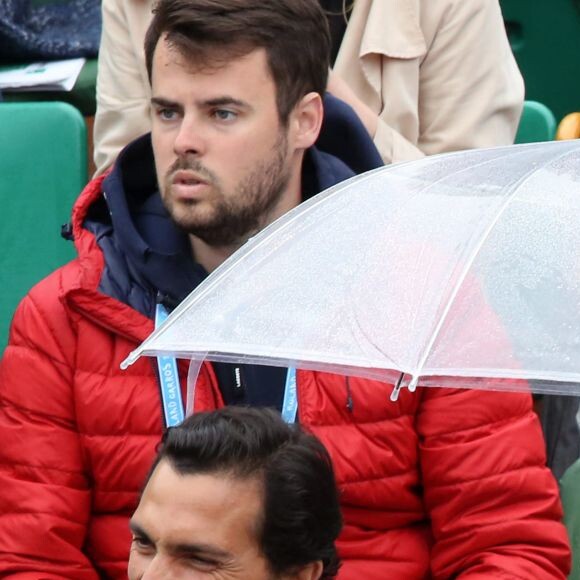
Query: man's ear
{"type": "Point", "coordinates": [312, 571]}
{"type": "Point", "coordinates": [306, 120]}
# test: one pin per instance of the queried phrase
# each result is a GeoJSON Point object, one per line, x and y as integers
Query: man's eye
{"type": "Point", "coordinates": [224, 115]}
{"type": "Point", "coordinates": [166, 114]}
{"type": "Point", "coordinates": [203, 564]}
{"type": "Point", "coordinates": [142, 545]}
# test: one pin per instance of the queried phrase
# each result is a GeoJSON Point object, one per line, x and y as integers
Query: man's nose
{"type": "Point", "coordinates": [190, 138]}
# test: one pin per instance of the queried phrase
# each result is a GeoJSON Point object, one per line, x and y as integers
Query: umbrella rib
{"type": "Point", "coordinates": [428, 186]}
{"type": "Point", "coordinates": [425, 187]}
{"type": "Point", "coordinates": [375, 344]}
{"type": "Point", "coordinates": [516, 188]}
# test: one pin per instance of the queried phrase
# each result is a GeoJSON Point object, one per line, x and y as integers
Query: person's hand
{"type": "Point", "coordinates": [338, 87]}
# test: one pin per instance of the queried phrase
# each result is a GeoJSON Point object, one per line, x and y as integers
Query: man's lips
{"type": "Point", "coordinates": [188, 184]}
{"type": "Point", "coordinates": [187, 178]}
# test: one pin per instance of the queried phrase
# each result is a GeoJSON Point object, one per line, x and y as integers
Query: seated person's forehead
{"type": "Point", "coordinates": [191, 502]}
{"type": "Point", "coordinates": [205, 58]}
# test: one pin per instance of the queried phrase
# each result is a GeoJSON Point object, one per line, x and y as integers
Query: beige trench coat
{"type": "Point", "coordinates": [439, 73]}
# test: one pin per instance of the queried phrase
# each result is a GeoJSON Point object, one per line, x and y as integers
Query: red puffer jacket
{"type": "Point", "coordinates": [441, 484]}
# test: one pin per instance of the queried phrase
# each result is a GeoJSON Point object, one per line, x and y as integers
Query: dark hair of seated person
{"type": "Point", "coordinates": [301, 514]}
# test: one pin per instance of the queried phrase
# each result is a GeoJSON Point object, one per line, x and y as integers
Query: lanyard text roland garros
{"type": "Point", "coordinates": [173, 408]}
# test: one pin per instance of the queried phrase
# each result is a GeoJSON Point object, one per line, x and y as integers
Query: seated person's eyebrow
{"type": "Point", "coordinates": [184, 549]}
{"type": "Point", "coordinates": [138, 530]}
{"type": "Point", "coordinates": [164, 103]}
{"type": "Point", "coordinates": [225, 101]}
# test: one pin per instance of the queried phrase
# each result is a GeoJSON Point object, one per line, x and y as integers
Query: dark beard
{"type": "Point", "coordinates": [247, 212]}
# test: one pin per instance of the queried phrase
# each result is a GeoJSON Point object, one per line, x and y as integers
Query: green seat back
{"type": "Point", "coordinates": [43, 167]}
{"type": "Point", "coordinates": [545, 39]}
{"type": "Point", "coordinates": [570, 490]}
{"type": "Point", "coordinates": [537, 123]}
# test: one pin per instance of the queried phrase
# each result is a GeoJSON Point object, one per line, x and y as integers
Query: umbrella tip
{"type": "Point", "coordinates": [397, 389]}
{"type": "Point", "coordinates": [412, 386]}
{"type": "Point", "coordinates": [129, 360]}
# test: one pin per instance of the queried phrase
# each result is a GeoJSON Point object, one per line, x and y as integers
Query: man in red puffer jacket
{"type": "Point", "coordinates": [441, 484]}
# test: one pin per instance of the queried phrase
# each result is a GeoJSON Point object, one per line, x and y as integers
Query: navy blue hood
{"type": "Point", "coordinates": [147, 255]}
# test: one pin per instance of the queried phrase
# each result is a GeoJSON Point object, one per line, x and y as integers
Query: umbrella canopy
{"type": "Point", "coordinates": [464, 266]}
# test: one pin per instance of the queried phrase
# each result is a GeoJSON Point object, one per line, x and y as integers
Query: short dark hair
{"type": "Point", "coordinates": [301, 516]}
{"type": "Point", "coordinates": [294, 34]}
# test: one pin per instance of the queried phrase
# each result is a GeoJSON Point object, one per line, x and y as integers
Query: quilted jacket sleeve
{"type": "Point", "coordinates": [471, 91]}
{"type": "Point", "coordinates": [494, 506]}
{"type": "Point", "coordinates": [44, 494]}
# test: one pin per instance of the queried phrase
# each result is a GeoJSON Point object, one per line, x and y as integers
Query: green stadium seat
{"type": "Point", "coordinates": [537, 123]}
{"type": "Point", "coordinates": [43, 152]}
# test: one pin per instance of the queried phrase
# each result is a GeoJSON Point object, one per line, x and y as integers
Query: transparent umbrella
{"type": "Point", "coordinates": [455, 270]}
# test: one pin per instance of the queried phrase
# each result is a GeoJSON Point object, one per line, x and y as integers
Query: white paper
{"type": "Point", "coordinates": [59, 75]}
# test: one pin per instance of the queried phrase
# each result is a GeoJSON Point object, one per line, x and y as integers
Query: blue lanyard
{"type": "Point", "coordinates": [169, 380]}
{"type": "Point", "coordinates": [171, 391]}
{"type": "Point", "coordinates": [290, 404]}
